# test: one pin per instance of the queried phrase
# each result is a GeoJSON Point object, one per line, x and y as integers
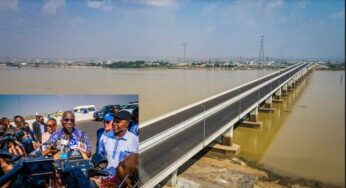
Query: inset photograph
{"type": "Point", "coordinates": [69, 140]}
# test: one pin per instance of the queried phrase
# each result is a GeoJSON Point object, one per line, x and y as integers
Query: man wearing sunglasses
{"type": "Point", "coordinates": [51, 129]}
{"type": "Point", "coordinates": [118, 145]}
{"type": "Point", "coordinates": [106, 130]}
{"type": "Point", "coordinates": [74, 137]}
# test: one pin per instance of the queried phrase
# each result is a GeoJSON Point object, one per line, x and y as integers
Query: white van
{"type": "Point", "coordinates": [84, 109]}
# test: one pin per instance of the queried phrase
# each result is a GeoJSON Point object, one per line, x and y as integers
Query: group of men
{"type": "Point", "coordinates": [117, 139]}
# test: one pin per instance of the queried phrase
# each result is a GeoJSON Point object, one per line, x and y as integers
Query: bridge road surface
{"type": "Point", "coordinates": [157, 158]}
{"type": "Point", "coordinates": [161, 125]}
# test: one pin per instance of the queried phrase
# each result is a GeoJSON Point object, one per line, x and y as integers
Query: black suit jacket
{"type": "Point", "coordinates": [37, 130]}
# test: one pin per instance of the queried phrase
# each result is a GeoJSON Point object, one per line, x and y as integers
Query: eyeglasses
{"type": "Point", "coordinates": [107, 122]}
{"type": "Point", "coordinates": [50, 125]}
{"type": "Point", "coordinates": [69, 120]}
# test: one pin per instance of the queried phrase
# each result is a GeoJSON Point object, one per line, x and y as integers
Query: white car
{"type": "Point", "coordinates": [84, 109]}
{"type": "Point", "coordinates": [130, 107]}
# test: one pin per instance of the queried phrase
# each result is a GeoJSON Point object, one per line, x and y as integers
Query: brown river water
{"type": "Point", "coordinates": [304, 137]}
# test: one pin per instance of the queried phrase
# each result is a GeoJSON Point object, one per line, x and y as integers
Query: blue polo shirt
{"type": "Point", "coordinates": [115, 150]}
{"type": "Point", "coordinates": [133, 127]}
{"type": "Point", "coordinates": [99, 133]}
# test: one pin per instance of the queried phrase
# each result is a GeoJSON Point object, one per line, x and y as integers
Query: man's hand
{"type": "Point", "coordinates": [6, 167]}
{"type": "Point", "coordinates": [36, 145]}
{"type": "Point", "coordinates": [50, 151]}
{"type": "Point", "coordinates": [17, 150]}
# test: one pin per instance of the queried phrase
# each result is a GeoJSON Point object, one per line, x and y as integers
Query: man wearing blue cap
{"type": "Point", "coordinates": [107, 128]}
{"type": "Point", "coordinates": [120, 144]}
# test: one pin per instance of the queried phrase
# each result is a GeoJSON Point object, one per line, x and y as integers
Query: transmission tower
{"type": "Point", "coordinates": [261, 52]}
{"type": "Point", "coordinates": [185, 45]}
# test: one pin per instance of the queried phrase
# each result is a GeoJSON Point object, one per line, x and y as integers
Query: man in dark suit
{"type": "Point", "coordinates": [39, 127]}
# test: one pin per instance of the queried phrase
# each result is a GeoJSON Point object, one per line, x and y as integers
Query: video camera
{"type": "Point", "coordinates": [73, 169]}
{"type": "Point", "coordinates": [16, 138]}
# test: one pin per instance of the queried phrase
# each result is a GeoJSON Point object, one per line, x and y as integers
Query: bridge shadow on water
{"type": "Point", "coordinates": [255, 142]}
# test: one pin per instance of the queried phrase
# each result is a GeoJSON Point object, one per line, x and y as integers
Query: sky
{"type": "Point", "coordinates": [158, 28]}
{"type": "Point", "coordinates": [11, 105]}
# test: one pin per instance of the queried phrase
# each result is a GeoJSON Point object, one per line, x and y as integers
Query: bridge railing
{"type": "Point", "coordinates": [162, 158]}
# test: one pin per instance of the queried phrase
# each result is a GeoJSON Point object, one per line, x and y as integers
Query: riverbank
{"type": "Point", "coordinates": [212, 169]}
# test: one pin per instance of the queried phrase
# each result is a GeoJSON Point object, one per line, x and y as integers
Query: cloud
{"type": "Point", "coordinates": [100, 4]}
{"type": "Point", "coordinates": [244, 12]}
{"type": "Point", "coordinates": [9, 4]}
{"type": "Point", "coordinates": [253, 12]}
{"type": "Point", "coordinates": [339, 14]}
{"type": "Point", "coordinates": [298, 8]}
{"type": "Point", "coordinates": [273, 5]}
{"type": "Point", "coordinates": [51, 6]}
{"type": "Point", "coordinates": [156, 3]}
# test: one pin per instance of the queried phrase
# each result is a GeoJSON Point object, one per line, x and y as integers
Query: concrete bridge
{"type": "Point", "coordinates": [170, 140]}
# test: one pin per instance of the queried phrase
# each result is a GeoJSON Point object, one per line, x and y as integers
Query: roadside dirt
{"type": "Point", "coordinates": [211, 169]}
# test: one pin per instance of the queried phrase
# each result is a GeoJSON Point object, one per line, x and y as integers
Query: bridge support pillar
{"type": "Point", "coordinates": [289, 85]}
{"type": "Point", "coordinates": [284, 90]}
{"type": "Point", "coordinates": [227, 146]}
{"type": "Point", "coordinates": [253, 120]}
{"type": "Point", "coordinates": [277, 98]}
{"type": "Point", "coordinates": [253, 115]}
{"type": "Point", "coordinates": [172, 182]}
{"type": "Point", "coordinates": [268, 105]}
{"type": "Point", "coordinates": [226, 138]}
{"type": "Point", "coordinates": [294, 79]}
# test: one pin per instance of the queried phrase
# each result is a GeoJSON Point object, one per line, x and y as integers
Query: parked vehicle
{"type": "Point", "coordinates": [84, 109]}
{"type": "Point", "coordinates": [98, 115]}
{"type": "Point", "coordinates": [129, 107]}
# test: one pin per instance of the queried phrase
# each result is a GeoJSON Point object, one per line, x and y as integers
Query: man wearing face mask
{"type": "Point", "coordinates": [72, 135]}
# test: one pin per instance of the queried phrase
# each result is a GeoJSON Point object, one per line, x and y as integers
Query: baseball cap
{"type": "Point", "coordinates": [108, 117]}
{"type": "Point", "coordinates": [123, 115]}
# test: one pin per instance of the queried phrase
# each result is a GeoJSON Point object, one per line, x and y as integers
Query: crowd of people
{"type": "Point", "coordinates": [117, 141]}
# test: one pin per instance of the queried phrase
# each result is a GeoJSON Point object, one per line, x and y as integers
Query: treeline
{"type": "Point", "coordinates": [136, 64]}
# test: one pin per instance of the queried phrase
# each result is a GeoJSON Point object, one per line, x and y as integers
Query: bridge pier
{"type": "Point", "coordinates": [172, 182]}
{"type": "Point", "coordinates": [294, 81]}
{"type": "Point", "coordinates": [254, 115]}
{"type": "Point", "coordinates": [252, 123]}
{"type": "Point", "coordinates": [284, 90]}
{"type": "Point", "coordinates": [227, 146]}
{"type": "Point", "coordinates": [277, 97]}
{"type": "Point", "coordinates": [290, 85]}
{"type": "Point", "coordinates": [268, 105]}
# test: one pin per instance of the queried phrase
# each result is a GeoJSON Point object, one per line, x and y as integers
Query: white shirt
{"type": "Point", "coordinates": [115, 150]}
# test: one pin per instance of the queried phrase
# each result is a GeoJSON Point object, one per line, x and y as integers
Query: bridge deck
{"type": "Point", "coordinates": [166, 123]}
{"type": "Point", "coordinates": [156, 159]}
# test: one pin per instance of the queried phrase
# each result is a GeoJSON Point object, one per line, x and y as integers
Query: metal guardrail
{"type": "Point", "coordinates": [163, 157]}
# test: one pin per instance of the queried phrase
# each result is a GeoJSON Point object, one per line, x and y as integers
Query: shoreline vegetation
{"type": "Point", "coordinates": [208, 65]}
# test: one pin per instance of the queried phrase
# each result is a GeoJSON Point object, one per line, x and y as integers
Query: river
{"type": "Point", "coordinates": [304, 137]}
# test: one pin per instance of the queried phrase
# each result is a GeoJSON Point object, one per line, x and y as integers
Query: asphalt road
{"type": "Point", "coordinates": [157, 158]}
{"type": "Point", "coordinates": [164, 124]}
{"type": "Point", "coordinates": [90, 127]}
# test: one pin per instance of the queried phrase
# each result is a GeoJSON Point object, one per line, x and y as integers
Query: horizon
{"type": "Point", "coordinates": [157, 29]}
